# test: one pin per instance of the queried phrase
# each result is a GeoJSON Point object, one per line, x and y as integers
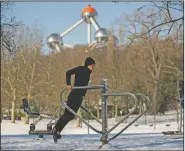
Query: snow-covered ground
{"type": "Point", "coordinates": [141, 137]}
{"type": "Point", "coordinates": [137, 141]}
{"type": "Point", "coordinates": [19, 128]}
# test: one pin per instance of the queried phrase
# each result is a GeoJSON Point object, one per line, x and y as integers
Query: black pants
{"type": "Point", "coordinates": [74, 101]}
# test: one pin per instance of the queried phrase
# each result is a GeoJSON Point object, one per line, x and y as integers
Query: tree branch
{"type": "Point", "coordinates": [171, 21]}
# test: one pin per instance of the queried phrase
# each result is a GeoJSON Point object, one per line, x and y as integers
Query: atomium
{"type": "Point", "coordinates": [88, 16]}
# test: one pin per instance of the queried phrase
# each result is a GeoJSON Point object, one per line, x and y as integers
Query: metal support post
{"type": "Point", "coordinates": [104, 110]}
{"type": "Point", "coordinates": [95, 24]}
{"type": "Point", "coordinates": [89, 33]}
{"type": "Point", "coordinates": [181, 114]}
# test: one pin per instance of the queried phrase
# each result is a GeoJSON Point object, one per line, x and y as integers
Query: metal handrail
{"type": "Point", "coordinates": [88, 87]}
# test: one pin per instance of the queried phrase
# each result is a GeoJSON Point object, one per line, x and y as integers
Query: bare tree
{"type": "Point", "coordinates": [156, 50]}
{"type": "Point", "coordinates": [167, 19]}
{"type": "Point", "coordinates": [10, 76]}
{"type": "Point", "coordinates": [9, 48]}
{"type": "Point", "coordinates": [29, 51]}
{"type": "Point", "coordinates": [9, 26]}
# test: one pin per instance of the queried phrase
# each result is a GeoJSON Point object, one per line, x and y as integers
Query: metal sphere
{"type": "Point", "coordinates": [87, 13]}
{"type": "Point", "coordinates": [102, 35]}
{"type": "Point", "coordinates": [54, 42]}
{"type": "Point", "coordinates": [104, 40]}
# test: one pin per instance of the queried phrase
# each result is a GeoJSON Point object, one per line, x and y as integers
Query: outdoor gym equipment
{"type": "Point", "coordinates": [104, 120]}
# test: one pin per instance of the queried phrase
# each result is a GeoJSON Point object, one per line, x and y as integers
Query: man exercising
{"type": "Point", "coordinates": [75, 98]}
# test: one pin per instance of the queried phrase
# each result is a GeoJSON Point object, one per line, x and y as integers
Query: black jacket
{"type": "Point", "coordinates": [82, 76]}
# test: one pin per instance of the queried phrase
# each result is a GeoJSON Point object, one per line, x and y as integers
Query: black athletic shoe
{"type": "Point", "coordinates": [56, 135]}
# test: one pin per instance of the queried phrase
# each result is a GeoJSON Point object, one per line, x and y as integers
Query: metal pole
{"type": "Point", "coordinates": [67, 45]}
{"type": "Point", "coordinates": [89, 115]}
{"type": "Point", "coordinates": [180, 91]}
{"type": "Point", "coordinates": [89, 33]}
{"type": "Point", "coordinates": [154, 122]}
{"type": "Point", "coordinates": [180, 118]}
{"type": "Point", "coordinates": [58, 47]}
{"type": "Point", "coordinates": [95, 24]}
{"type": "Point", "coordinates": [71, 28]}
{"type": "Point", "coordinates": [104, 110]}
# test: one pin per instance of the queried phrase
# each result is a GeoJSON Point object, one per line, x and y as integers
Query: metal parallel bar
{"type": "Point", "coordinates": [91, 115]}
{"type": "Point", "coordinates": [127, 93]}
{"type": "Point", "coordinates": [88, 87]}
{"type": "Point", "coordinates": [68, 108]}
{"type": "Point", "coordinates": [124, 118]}
{"type": "Point", "coordinates": [119, 94]}
{"type": "Point", "coordinates": [82, 87]}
